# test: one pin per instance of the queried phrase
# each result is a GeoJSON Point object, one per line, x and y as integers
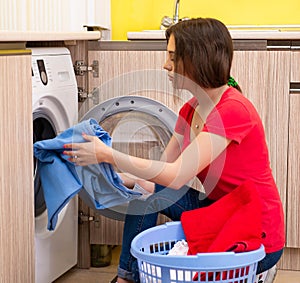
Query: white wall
{"type": "Point", "coordinates": [53, 15]}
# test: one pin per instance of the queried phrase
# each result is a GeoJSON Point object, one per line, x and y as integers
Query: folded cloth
{"type": "Point", "coordinates": [233, 223]}
{"type": "Point", "coordinates": [61, 179]}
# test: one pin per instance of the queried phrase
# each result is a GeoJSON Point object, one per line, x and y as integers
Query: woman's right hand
{"type": "Point", "coordinates": [92, 151]}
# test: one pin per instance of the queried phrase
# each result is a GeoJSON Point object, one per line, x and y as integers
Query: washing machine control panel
{"type": "Point", "coordinates": [42, 73]}
{"type": "Point", "coordinates": [52, 69]}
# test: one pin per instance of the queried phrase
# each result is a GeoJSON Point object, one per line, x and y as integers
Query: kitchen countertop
{"type": "Point", "coordinates": [161, 45]}
{"type": "Point", "coordinates": [290, 32]}
{"type": "Point", "coordinates": [235, 34]}
{"type": "Point", "coordinates": [15, 36]}
{"type": "Point", "coordinates": [18, 39]}
{"type": "Point", "coordinates": [243, 39]}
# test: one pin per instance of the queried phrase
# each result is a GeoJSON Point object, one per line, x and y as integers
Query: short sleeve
{"type": "Point", "coordinates": [180, 123]}
{"type": "Point", "coordinates": [185, 116]}
{"type": "Point", "coordinates": [231, 119]}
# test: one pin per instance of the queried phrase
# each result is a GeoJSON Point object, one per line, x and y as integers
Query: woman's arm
{"type": "Point", "coordinates": [173, 149]}
{"type": "Point", "coordinates": [199, 154]}
{"type": "Point", "coordinates": [171, 153]}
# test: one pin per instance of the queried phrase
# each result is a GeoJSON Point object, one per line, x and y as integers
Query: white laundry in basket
{"type": "Point", "coordinates": [180, 248]}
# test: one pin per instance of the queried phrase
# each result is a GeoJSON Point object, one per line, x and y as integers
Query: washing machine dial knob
{"type": "Point", "coordinates": [44, 77]}
{"type": "Point", "coordinates": [42, 71]}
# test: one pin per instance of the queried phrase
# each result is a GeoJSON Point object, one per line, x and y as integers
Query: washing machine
{"type": "Point", "coordinates": [55, 108]}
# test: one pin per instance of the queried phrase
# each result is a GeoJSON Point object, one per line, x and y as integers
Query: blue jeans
{"type": "Point", "coordinates": [142, 214]}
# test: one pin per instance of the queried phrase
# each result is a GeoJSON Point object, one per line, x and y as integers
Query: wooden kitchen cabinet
{"type": "Point", "coordinates": [16, 168]}
{"type": "Point", "coordinates": [132, 73]}
{"type": "Point", "coordinates": [264, 78]}
{"type": "Point", "coordinates": [293, 196]}
{"type": "Point", "coordinates": [291, 256]}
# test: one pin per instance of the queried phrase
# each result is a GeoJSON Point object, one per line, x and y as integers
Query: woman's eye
{"type": "Point", "coordinates": [171, 56]}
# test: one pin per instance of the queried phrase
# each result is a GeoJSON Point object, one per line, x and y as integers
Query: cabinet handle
{"type": "Point", "coordinates": [295, 45]}
{"type": "Point", "coordinates": [295, 87]}
{"type": "Point", "coordinates": [278, 44]}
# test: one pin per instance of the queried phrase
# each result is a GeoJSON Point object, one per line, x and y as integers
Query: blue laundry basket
{"type": "Point", "coordinates": [151, 247]}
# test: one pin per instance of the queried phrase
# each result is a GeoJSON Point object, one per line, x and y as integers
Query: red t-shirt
{"type": "Point", "coordinates": [245, 158]}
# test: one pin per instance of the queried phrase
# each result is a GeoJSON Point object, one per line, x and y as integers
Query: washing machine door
{"type": "Point", "coordinates": [138, 126]}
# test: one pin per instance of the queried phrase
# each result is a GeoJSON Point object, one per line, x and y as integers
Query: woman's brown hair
{"type": "Point", "coordinates": [205, 47]}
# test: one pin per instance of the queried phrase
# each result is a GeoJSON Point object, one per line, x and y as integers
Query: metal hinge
{"type": "Point", "coordinates": [82, 217]}
{"type": "Point", "coordinates": [83, 95]}
{"type": "Point", "coordinates": [81, 68]}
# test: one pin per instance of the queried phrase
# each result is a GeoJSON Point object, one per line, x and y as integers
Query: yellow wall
{"type": "Point", "coordinates": [137, 15]}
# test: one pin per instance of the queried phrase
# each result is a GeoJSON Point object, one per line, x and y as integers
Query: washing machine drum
{"type": "Point", "coordinates": [43, 129]}
{"type": "Point", "coordinates": [138, 126]}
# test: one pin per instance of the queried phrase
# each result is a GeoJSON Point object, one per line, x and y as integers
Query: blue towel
{"type": "Point", "coordinates": [61, 179]}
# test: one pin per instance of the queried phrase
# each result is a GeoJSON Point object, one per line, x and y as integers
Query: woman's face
{"type": "Point", "coordinates": [169, 64]}
{"type": "Point", "coordinates": [179, 81]}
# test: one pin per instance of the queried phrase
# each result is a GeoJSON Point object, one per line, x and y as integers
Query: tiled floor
{"type": "Point", "coordinates": [106, 274]}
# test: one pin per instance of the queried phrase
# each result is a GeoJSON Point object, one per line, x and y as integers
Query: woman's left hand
{"type": "Point", "coordinates": [86, 153]}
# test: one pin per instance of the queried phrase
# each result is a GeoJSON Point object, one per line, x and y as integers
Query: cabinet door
{"type": "Point", "coordinates": [293, 195]}
{"type": "Point", "coordinates": [132, 73]}
{"type": "Point", "coordinates": [16, 169]}
{"type": "Point", "coordinates": [264, 79]}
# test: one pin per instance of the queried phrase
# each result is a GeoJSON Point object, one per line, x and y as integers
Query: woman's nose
{"type": "Point", "coordinates": [167, 66]}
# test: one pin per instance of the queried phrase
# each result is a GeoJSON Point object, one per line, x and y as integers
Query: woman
{"type": "Point", "coordinates": [218, 138]}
